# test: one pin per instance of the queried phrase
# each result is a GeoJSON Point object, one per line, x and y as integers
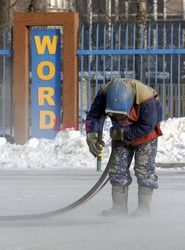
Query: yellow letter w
{"type": "Point", "coordinates": [46, 41]}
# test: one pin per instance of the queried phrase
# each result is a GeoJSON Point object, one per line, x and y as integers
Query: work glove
{"type": "Point", "coordinates": [94, 146]}
{"type": "Point", "coordinates": [116, 134]}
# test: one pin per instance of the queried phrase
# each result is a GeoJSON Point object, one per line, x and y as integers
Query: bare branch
{"type": "Point", "coordinates": [6, 11]}
{"type": "Point", "coordinates": [31, 6]}
{"type": "Point", "coordinates": [11, 6]}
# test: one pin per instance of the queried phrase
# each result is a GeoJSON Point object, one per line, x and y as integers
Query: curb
{"type": "Point", "coordinates": [170, 165]}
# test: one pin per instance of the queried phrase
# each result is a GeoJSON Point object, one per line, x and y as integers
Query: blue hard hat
{"type": "Point", "coordinates": [120, 98]}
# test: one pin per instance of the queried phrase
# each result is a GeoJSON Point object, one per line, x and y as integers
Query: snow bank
{"type": "Point", "coordinates": [171, 147]}
{"type": "Point", "coordinates": [69, 149]}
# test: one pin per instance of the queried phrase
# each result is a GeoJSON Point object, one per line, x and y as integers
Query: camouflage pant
{"type": "Point", "coordinates": [144, 165]}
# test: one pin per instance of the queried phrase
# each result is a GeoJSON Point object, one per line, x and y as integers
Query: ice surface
{"type": "Point", "coordinates": [31, 191]}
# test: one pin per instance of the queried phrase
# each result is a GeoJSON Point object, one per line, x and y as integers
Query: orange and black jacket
{"type": "Point", "coordinates": [141, 126]}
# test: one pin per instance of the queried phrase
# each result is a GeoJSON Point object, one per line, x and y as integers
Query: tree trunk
{"type": "Point", "coordinates": [4, 18]}
{"type": "Point", "coordinates": [38, 6]}
{"type": "Point", "coordinates": [4, 22]}
{"type": "Point", "coordinates": [32, 6]}
{"type": "Point", "coordinates": [140, 66]}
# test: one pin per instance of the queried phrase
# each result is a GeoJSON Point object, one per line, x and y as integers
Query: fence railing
{"type": "Point", "coordinates": [154, 54]}
{"type": "Point", "coordinates": [108, 52]}
{"type": "Point", "coordinates": [6, 84]}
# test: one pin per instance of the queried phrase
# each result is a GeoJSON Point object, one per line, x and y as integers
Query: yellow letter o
{"type": "Point", "coordinates": [51, 73]}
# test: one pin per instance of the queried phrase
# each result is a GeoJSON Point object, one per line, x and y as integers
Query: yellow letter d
{"type": "Point", "coordinates": [43, 115]}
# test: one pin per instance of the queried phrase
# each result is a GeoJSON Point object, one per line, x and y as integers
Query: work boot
{"type": "Point", "coordinates": [144, 201]}
{"type": "Point", "coordinates": [119, 198]}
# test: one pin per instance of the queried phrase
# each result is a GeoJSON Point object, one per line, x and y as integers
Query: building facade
{"type": "Point", "coordinates": [118, 10]}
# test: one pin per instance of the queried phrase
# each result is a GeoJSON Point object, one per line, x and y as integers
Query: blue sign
{"type": "Point", "coordinates": [46, 82]}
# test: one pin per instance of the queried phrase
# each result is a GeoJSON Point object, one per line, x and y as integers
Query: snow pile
{"type": "Point", "coordinates": [171, 147]}
{"type": "Point", "coordinates": [69, 149]}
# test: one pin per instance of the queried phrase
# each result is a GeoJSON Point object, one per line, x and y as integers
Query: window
{"type": "Point", "coordinates": [160, 6]}
{"type": "Point", "coordinates": [113, 7]}
{"type": "Point", "coordinates": [121, 7]}
{"type": "Point", "coordinates": [81, 6]}
{"type": "Point", "coordinates": [132, 9]}
{"type": "Point", "coordinates": [149, 6]}
{"type": "Point", "coordinates": [98, 6]}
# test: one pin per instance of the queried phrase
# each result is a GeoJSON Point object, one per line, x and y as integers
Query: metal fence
{"type": "Point", "coordinates": [154, 54]}
{"type": "Point", "coordinates": [6, 84]}
{"type": "Point", "coordinates": [108, 52]}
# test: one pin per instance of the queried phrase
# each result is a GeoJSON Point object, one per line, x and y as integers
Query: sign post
{"type": "Point", "coordinates": [46, 81]}
{"type": "Point", "coordinates": [46, 98]}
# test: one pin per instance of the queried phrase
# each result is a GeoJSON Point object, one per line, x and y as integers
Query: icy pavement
{"type": "Point", "coordinates": [35, 191]}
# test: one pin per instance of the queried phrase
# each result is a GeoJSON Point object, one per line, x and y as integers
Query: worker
{"type": "Point", "coordinates": [135, 111]}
